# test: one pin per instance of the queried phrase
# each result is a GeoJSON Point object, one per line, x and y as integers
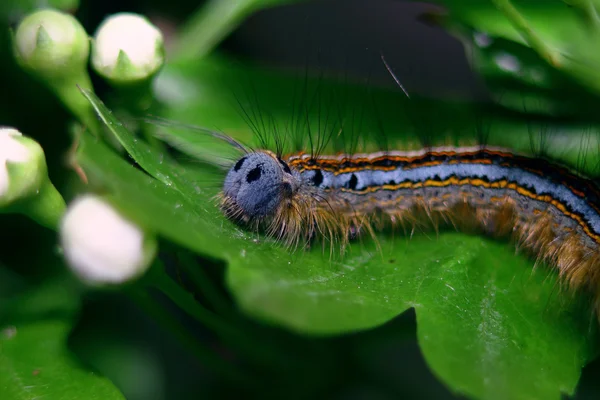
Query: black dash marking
{"type": "Point", "coordinates": [317, 178]}
{"type": "Point", "coordinates": [286, 168]}
{"type": "Point", "coordinates": [239, 164]}
{"type": "Point", "coordinates": [254, 174]}
{"type": "Point", "coordinates": [352, 182]}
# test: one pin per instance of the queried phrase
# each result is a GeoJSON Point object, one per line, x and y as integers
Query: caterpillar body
{"type": "Point", "coordinates": [547, 209]}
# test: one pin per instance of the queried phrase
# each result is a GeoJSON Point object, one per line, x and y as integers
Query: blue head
{"type": "Point", "coordinates": [259, 183]}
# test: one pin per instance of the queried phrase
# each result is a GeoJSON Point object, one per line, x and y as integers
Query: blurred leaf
{"type": "Point", "coordinates": [517, 78]}
{"type": "Point", "coordinates": [34, 359]}
{"type": "Point", "coordinates": [488, 324]}
{"type": "Point", "coordinates": [543, 17]}
{"type": "Point", "coordinates": [550, 45]}
{"type": "Point", "coordinates": [14, 10]}
{"type": "Point", "coordinates": [220, 95]}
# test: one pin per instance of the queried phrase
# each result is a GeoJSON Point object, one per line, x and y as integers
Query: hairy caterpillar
{"type": "Point", "coordinates": [546, 208]}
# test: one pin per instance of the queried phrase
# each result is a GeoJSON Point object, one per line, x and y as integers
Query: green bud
{"type": "Point", "coordinates": [127, 49]}
{"type": "Point", "coordinates": [24, 184]}
{"type": "Point", "coordinates": [22, 166]}
{"type": "Point", "coordinates": [52, 44]}
{"type": "Point", "coordinates": [55, 48]}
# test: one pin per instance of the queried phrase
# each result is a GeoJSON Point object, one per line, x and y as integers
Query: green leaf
{"type": "Point", "coordinates": [35, 363]}
{"type": "Point", "coordinates": [175, 215]}
{"type": "Point", "coordinates": [488, 323]}
{"type": "Point", "coordinates": [485, 321]}
{"type": "Point", "coordinates": [519, 79]}
{"type": "Point", "coordinates": [34, 359]}
{"type": "Point", "coordinates": [553, 42]}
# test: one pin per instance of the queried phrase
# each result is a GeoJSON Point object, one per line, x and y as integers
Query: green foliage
{"type": "Point", "coordinates": [486, 320]}
{"type": "Point", "coordinates": [491, 324]}
{"type": "Point", "coordinates": [34, 359]}
{"type": "Point", "coordinates": [535, 56]}
{"type": "Point", "coordinates": [14, 8]}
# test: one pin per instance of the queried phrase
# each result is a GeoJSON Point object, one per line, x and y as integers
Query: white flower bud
{"type": "Point", "coordinates": [52, 43]}
{"type": "Point", "coordinates": [127, 48]}
{"type": "Point", "coordinates": [22, 166]}
{"type": "Point", "coordinates": [101, 246]}
{"type": "Point", "coordinates": [25, 187]}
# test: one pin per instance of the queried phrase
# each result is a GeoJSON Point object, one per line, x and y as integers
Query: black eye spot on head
{"type": "Point", "coordinates": [286, 168]}
{"type": "Point", "coordinates": [317, 178]}
{"type": "Point", "coordinates": [353, 182]}
{"type": "Point", "coordinates": [254, 174]}
{"type": "Point", "coordinates": [239, 164]}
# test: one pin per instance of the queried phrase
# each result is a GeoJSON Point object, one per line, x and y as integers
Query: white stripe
{"type": "Point", "coordinates": [488, 172]}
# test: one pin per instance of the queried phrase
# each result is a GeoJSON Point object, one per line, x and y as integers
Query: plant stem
{"type": "Point", "coordinates": [209, 25]}
{"type": "Point", "coordinates": [47, 208]}
{"type": "Point", "coordinates": [529, 35]}
{"type": "Point", "coordinates": [68, 92]}
{"type": "Point", "coordinates": [587, 10]}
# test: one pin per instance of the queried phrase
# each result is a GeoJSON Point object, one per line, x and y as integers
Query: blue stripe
{"type": "Point", "coordinates": [491, 173]}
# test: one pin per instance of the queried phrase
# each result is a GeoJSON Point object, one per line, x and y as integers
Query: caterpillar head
{"type": "Point", "coordinates": [258, 185]}
{"type": "Point", "coordinates": [261, 190]}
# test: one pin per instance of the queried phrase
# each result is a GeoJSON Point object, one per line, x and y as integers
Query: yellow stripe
{"type": "Point", "coordinates": [503, 184]}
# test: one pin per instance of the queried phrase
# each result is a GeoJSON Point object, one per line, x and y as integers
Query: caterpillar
{"type": "Point", "coordinates": [546, 208]}
{"type": "Point", "coordinates": [549, 209]}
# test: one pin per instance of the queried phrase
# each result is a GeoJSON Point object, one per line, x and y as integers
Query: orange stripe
{"type": "Point", "coordinates": [299, 161]}
{"type": "Point", "coordinates": [332, 165]}
{"type": "Point", "coordinates": [329, 165]}
{"type": "Point", "coordinates": [488, 185]}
